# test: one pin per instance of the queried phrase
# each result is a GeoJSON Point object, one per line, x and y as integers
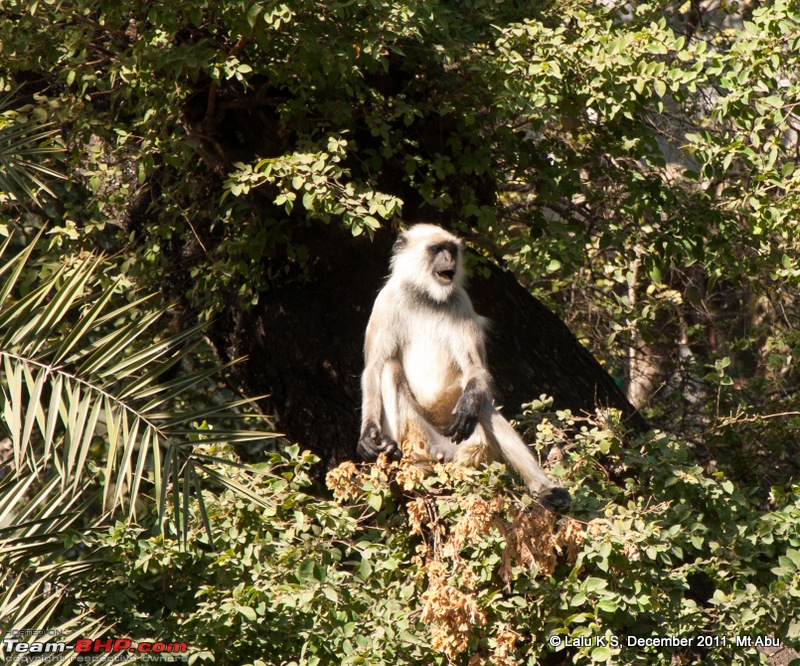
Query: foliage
{"type": "Point", "coordinates": [667, 207]}
{"type": "Point", "coordinates": [91, 424]}
{"type": "Point", "coordinates": [24, 143]}
{"type": "Point", "coordinates": [456, 567]}
{"type": "Point", "coordinates": [321, 179]}
{"type": "Point", "coordinates": [634, 164]}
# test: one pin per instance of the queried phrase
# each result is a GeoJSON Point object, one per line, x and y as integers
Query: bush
{"type": "Point", "coordinates": [459, 567]}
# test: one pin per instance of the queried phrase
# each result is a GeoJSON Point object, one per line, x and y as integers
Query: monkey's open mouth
{"type": "Point", "coordinates": [446, 276]}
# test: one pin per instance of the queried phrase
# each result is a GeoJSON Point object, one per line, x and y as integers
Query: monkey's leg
{"type": "Point", "coordinates": [517, 454]}
{"type": "Point", "coordinates": [382, 438]}
{"type": "Point", "coordinates": [403, 417]}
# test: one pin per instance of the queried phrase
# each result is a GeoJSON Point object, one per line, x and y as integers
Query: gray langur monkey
{"type": "Point", "coordinates": [425, 380]}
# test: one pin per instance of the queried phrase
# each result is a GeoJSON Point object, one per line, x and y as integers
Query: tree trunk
{"type": "Point", "coordinates": [304, 346]}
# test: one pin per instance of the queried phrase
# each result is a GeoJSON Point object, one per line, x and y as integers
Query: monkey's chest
{"type": "Point", "coordinates": [433, 377]}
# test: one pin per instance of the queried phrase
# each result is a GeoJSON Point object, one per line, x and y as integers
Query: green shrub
{"type": "Point", "coordinates": [459, 567]}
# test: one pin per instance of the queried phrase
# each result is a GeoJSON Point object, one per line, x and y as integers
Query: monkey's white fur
{"type": "Point", "coordinates": [424, 344]}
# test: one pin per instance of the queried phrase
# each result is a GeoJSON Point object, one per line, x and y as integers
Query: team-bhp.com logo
{"type": "Point", "coordinates": [88, 649]}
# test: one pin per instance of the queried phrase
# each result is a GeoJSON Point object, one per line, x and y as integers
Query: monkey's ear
{"type": "Point", "coordinates": [400, 243]}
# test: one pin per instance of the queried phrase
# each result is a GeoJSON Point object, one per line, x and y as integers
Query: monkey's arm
{"type": "Point", "coordinates": [467, 411]}
{"type": "Point", "coordinates": [372, 442]}
{"type": "Point", "coordinates": [470, 355]}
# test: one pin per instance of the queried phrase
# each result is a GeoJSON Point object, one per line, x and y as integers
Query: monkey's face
{"type": "Point", "coordinates": [429, 259]}
{"type": "Point", "coordinates": [443, 258]}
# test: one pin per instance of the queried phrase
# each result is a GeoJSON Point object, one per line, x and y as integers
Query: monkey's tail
{"type": "Point", "coordinates": [514, 450]}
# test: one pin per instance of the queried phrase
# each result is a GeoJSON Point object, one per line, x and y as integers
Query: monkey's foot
{"type": "Point", "coordinates": [372, 444]}
{"type": "Point", "coordinates": [555, 499]}
{"type": "Point", "coordinates": [391, 448]}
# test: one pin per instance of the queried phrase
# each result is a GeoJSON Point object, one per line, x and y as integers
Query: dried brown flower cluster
{"type": "Point", "coordinates": [348, 479]}
{"type": "Point", "coordinates": [476, 520]}
{"type": "Point", "coordinates": [418, 518]}
{"type": "Point", "coordinates": [345, 481]}
{"type": "Point", "coordinates": [451, 613]}
{"type": "Point", "coordinates": [530, 542]}
{"type": "Point", "coordinates": [534, 540]}
{"type": "Point", "coordinates": [505, 645]}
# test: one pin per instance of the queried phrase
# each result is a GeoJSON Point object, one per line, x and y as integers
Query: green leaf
{"type": "Point", "coordinates": [375, 502]}
{"type": "Point", "coordinates": [593, 584]}
{"type": "Point", "coordinates": [608, 606]}
{"type": "Point", "coordinates": [601, 654]}
{"type": "Point", "coordinates": [248, 613]}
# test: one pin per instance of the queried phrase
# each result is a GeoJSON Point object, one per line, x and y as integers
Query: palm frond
{"type": "Point", "coordinates": [31, 606]}
{"type": "Point", "coordinates": [23, 145]}
{"type": "Point", "coordinates": [92, 420]}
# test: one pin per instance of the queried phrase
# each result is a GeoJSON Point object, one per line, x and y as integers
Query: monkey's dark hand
{"type": "Point", "coordinates": [555, 499]}
{"type": "Point", "coordinates": [372, 444]}
{"type": "Point", "coordinates": [467, 412]}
